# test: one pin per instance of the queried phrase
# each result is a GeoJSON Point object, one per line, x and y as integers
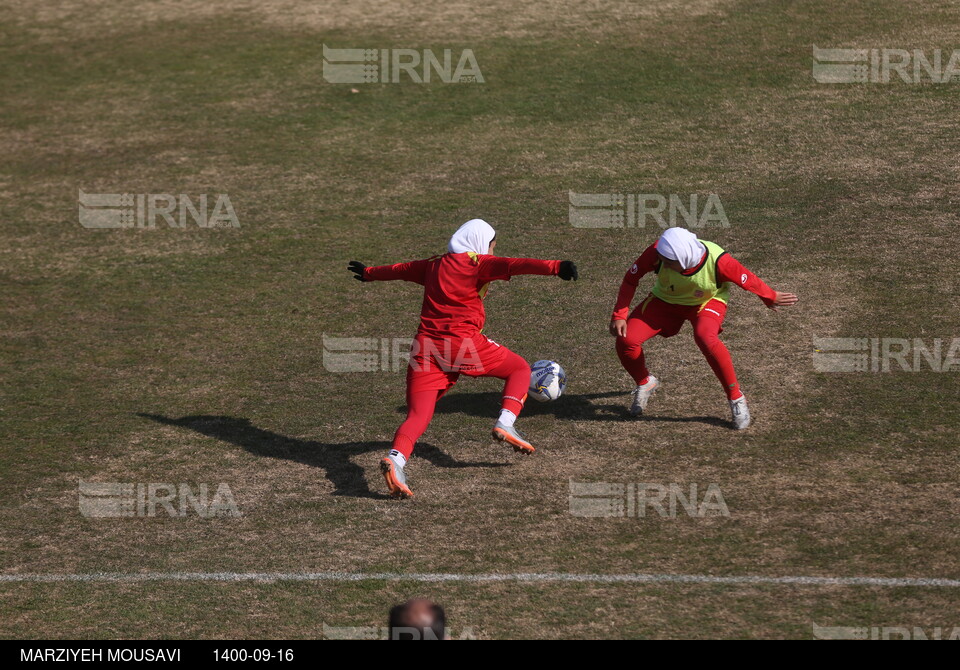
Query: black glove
{"type": "Point", "coordinates": [357, 268]}
{"type": "Point", "coordinates": [568, 271]}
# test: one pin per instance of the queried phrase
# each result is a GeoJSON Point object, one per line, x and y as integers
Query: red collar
{"type": "Point", "coordinates": [695, 268]}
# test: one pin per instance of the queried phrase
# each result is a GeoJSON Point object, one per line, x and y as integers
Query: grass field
{"type": "Point", "coordinates": [195, 355]}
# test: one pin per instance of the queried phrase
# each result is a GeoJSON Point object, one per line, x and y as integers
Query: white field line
{"type": "Point", "coordinates": [544, 577]}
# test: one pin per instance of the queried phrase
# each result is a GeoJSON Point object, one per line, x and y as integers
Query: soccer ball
{"type": "Point", "coordinates": [547, 381]}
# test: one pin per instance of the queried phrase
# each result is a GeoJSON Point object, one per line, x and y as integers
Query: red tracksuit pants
{"type": "Point", "coordinates": [436, 364]}
{"type": "Point", "coordinates": [656, 317]}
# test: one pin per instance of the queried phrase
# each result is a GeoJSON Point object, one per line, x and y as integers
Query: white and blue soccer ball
{"type": "Point", "coordinates": [547, 381]}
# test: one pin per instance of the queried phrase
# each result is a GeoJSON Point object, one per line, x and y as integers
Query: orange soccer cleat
{"type": "Point", "coordinates": [512, 436]}
{"type": "Point", "coordinates": [396, 479]}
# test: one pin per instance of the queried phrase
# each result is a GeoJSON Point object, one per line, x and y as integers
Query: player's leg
{"type": "Point", "coordinates": [630, 348]}
{"type": "Point", "coordinates": [426, 383]}
{"type": "Point", "coordinates": [420, 407]}
{"type": "Point", "coordinates": [651, 317]}
{"type": "Point", "coordinates": [516, 373]}
{"type": "Point", "coordinates": [707, 325]}
{"type": "Point", "coordinates": [486, 358]}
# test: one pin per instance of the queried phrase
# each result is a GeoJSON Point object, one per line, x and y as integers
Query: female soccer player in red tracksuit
{"type": "Point", "coordinates": [449, 342]}
{"type": "Point", "coordinates": [692, 284]}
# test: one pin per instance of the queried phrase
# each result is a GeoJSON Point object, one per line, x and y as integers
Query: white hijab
{"type": "Point", "coordinates": [679, 244]}
{"type": "Point", "coordinates": [475, 235]}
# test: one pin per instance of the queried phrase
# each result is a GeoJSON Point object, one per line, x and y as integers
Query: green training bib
{"type": "Point", "coordinates": [694, 289]}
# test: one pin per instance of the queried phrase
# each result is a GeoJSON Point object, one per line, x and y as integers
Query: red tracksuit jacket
{"type": "Point", "coordinates": [454, 286]}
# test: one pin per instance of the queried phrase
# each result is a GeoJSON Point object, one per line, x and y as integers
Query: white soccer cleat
{"type": "Point", "coordinates": [395, 477]}
{"type": "Point", "coordinates": [740, 413]}
{"type": "Point", "coordinates": [513, 437]}
{"type": "Point", "coordinates": [641, 395]}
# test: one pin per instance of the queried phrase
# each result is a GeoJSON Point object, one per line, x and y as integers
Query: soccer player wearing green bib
{"type": "Point", "coordinates": [692, 284]}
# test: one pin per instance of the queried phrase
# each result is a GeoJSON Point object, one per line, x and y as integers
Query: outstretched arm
{"type": "Point", "coordinates": [413, 271]}
{"type": "Point", "coordinates": [729, 269]}
{"type": "Point", "coordinates": [647, 262]}
{"type": "Point", "coordinates": [498, 267]}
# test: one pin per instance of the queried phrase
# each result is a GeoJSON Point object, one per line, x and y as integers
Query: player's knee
{"type": "Point", "coordinates": [628, 348]}
{"type": "Point", "coordinates": [707, 340]}
{"type": "Point", "coordinates": [418, 414]}
{"type": "Point", "coordinates": [415, 416]}
{"type": "Point", "coordinates": [520, 366]}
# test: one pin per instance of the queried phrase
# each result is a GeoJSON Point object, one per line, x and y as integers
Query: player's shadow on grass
{"type": "Point", "coordinates": [335, 459]}
{"type": "Point", "coordinates": [577, 407]}
{"type": "Point", "coordinates": [574, 407]}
